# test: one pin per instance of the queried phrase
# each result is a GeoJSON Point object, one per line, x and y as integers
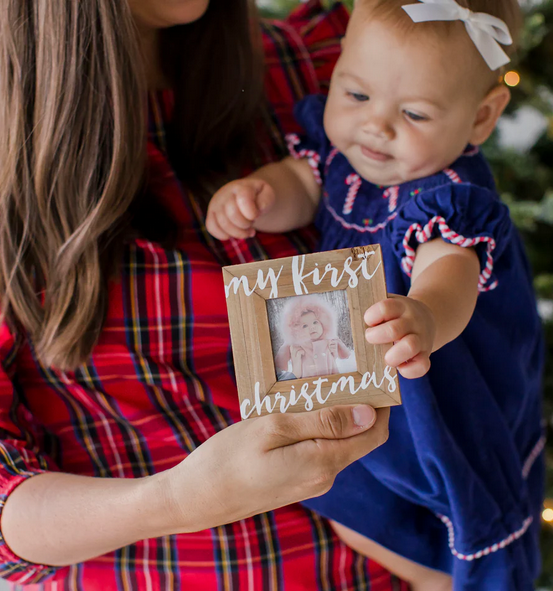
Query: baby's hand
{"type": "Point", "coordinates": [410, 325]}
{"type": "Point", "coordinates": [296, 352]}
{"type": "Point", "coordinates": [234, 208]}
{"type": "Point", "coordinates": [333, 347]}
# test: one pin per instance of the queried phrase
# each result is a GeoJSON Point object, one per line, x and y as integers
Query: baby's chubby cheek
{"type": "Point", "coordinates": [424, 158]}
{"type": "Point", "coordinates": [335, 126]}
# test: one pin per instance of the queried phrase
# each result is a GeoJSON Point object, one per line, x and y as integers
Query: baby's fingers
{"type": "Point", "coordinates": [229, 228]}
{"type": "Point", "coordinates": [388, 332]}
{"type": "Point", "coordinates": [235, 216]}
{"type": "Point", "coordinates": [384, 311]}
{"type": "Point", "coordinates": [403, 350]}
{"type": "Point", "coordinates": [214, 228]}
{"type": "Point", "coordinates": [253, 198]}
{"type": "Point", "coordinates": [407, 355]}
{"type": "Point", "coordinates": [415, 368]}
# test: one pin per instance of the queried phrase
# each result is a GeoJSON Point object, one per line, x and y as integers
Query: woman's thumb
{"type": "Point", "coordinates": [336, 422]}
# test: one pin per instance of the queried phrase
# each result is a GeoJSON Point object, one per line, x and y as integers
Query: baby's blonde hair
{"type": "Point", "coordinates": [390, 11]}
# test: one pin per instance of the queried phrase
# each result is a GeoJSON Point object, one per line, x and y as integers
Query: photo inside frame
{"type": "Point", "coordinates": [311, 335]}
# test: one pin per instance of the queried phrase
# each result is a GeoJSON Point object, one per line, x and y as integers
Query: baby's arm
{"type": "Point", "coordinates": [293, 353]}
{"type": "Point", "coordinates": [282, 358]}
{"type": "Point", "coordinates": [297, 353]}
{"type": "Point", "coordinates": [441, 301]}
{"type": "Point", "coordinates": [278, 197]}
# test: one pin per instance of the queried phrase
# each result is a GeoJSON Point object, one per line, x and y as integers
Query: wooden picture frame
{"type": "Point", "coordinates": [359, 273]}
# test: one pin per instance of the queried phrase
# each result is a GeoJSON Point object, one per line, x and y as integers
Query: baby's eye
{"type": "Point", "coordinates": [304, 326]}
{"type": "Point", "coordinates": [415, 116]}
{"type": "Point", "coordinates": [315, 322]}
{"type": "Point", "coordinates": [358, 96]}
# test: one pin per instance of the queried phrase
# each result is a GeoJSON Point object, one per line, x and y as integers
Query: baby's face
{"type": "Point", "coordinates": [310, 328]}
{"type": "Point", "coordinates": [398, 109]}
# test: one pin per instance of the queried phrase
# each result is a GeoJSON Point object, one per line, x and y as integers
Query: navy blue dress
{"type": "Point", "coordinates": [458, 486]}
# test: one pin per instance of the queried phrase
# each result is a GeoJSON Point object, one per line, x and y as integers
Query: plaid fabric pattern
{"type": "Point", "coordinates": [160, 382]}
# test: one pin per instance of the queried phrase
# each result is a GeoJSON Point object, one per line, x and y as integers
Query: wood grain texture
{"type": "Point", "coordinates": [360, 272]}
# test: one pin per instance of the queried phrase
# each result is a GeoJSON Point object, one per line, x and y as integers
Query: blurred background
{"type": "Point", "coordinates": [521, 155]}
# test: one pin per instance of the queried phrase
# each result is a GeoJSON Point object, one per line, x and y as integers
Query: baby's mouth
{"type": "Point", "coordinates": [375, 155]}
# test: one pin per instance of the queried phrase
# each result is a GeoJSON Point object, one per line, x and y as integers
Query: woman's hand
{"type": "Point", "coordinates": [251, 467]}
{"type": "Point", "coordinates": [234, 208]}
{"type": "Point", "coordinates": [410, 325]}
{"type": "Point", "coordinates": [261, 464]}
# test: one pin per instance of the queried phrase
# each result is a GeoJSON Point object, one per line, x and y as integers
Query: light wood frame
{"type": "Point", "coordinates": [247, 288]}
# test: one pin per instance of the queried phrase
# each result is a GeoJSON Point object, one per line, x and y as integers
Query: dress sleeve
{"type": "Point", "coordinates": [312, 144]}
{"type": "Point", "coordinates": [20, 459]}
{"type": "Point", "coordinates": [462, 214]}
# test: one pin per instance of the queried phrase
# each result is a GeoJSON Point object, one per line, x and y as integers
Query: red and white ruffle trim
{"type": "Point", "coordinates": [489, 549]}
{"type": "Point", "coordinates": [312, 157]}
{"type": "Point", "coordinates": [423, 235]}
{"type": "Point", "coordinates": [534, 454]}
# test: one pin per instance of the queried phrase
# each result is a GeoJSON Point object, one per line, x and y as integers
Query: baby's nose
{"type": "Point", "coordinates": [379, 126]}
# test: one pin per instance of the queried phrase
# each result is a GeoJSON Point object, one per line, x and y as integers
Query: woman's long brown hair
{"type": "Point", "coordinates": [72, 148]}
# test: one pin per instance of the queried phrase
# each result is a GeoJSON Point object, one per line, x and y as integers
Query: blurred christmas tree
{"type": "Point", "coordinates": [521, 155]}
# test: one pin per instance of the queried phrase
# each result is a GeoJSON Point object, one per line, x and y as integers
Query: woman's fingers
{"type": "Point", "coordinates": [346, 451]}
{"type": "Point", "coordinates": [325, 458]}
{"type": "Point", "coordinates": [335, 422]}
{"type": "Point", "coordinates": [261, 464]}
{"type": "Point", "coordinates": [322, 443]}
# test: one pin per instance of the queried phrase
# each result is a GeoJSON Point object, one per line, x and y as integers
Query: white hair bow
{"type": "Point", "coordinates": [484, 29]}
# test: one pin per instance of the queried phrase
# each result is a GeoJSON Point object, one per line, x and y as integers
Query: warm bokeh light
{"type": "Point", "coordinates": [512, 78]}
{"type": "Point", "coordinates": [547, 515]}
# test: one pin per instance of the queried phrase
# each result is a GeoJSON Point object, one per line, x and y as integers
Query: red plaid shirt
{"type": "Point", "coordinates": [160, 382]}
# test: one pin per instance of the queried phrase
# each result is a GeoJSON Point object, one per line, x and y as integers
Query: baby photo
{"type": "Point", "coordinates": [311, 335]}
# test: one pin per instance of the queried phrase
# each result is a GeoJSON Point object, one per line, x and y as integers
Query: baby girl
{"type": "Point", "coordinates": [391, 157]}
{"type": "Point", "coordinates": [311, 346]}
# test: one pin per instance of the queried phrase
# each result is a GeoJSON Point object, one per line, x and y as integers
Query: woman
{"type": "Point", "coordinates": [118, 409]}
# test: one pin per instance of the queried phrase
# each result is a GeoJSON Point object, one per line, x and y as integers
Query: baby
{"type": "Point", "coordinates": [391, 157]}
{"type": "Point", "coordinates": [311, 346]}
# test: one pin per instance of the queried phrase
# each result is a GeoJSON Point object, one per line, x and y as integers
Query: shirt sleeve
{"type": "Point", "coordinates": [300, 54]}
{"type": "Point", "coordinates": [462, 214]}
{"type": "Point", "coordinates": [321, 30]}
{"type": "Point", "coordinates": [20, 459]}
{"type": "Point", "coordinates": [312, 144]}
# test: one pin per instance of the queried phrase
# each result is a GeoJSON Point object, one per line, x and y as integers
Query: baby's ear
{"type": "Point", "coordinates": [489, 111]}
